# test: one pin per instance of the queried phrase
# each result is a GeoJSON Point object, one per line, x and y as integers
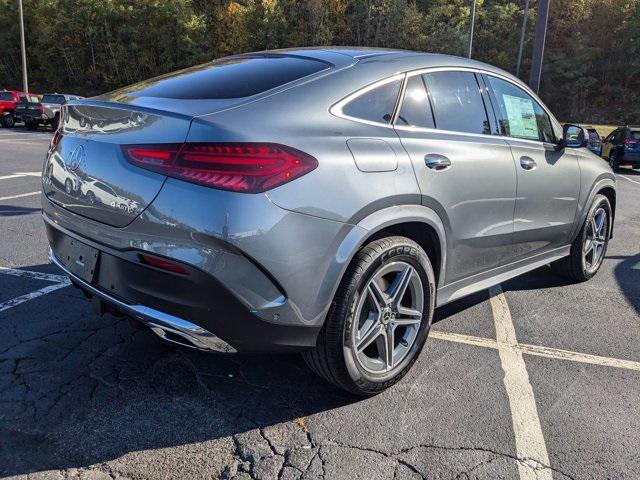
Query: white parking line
{"type": "Point", "coordinates": [627, 178]}
{"type": "Point", "coordinates": [530, 444]}
{"type": "Point", "coordinates": [20, 196]}
{"type": "Point", "coordinates": [20, 174]}
{"type": "Point", "coordinates": [30, 296]}
{"type": "Point", "coordinates": [539, 351]}
{"type": "Point", "coordinates": [48, 277]}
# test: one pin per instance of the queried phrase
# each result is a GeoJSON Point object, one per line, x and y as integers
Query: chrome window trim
{"type": "Point", "coordinates": [336, 109]}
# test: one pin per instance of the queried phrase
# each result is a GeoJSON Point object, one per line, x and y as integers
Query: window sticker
{"type": "Point", "coordinates": [521, 116]}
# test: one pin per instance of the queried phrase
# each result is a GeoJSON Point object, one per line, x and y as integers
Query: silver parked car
{"type": "Point", "coordinates": [321, 200]}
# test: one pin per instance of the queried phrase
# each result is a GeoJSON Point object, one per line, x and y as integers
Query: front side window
{"type": "Point", "coordinates": [520, 116]}
{"type": "Point", "coordinates": [416, 108]}
{"type": "Point", "coordinates": [376, 105]}
{"type": "Point", "coordinates": [457, 102]}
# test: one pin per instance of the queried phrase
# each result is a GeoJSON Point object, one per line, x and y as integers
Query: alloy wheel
{"type": "Point", "coordinates": [388, 317]}
{"type": "Point", "coordinates": [595, 240]}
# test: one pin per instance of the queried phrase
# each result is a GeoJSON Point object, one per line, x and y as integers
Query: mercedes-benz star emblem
{"type": "Point", "coordinates": [76, 157]}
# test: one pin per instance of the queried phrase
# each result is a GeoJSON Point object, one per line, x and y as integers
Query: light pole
{"type": "Point", "coordinates": [25, 83]}
{"type": "Point", "coordinates": [538, 44]}
{"type": "Point", "coordinates": [522, 36]}
{"type": "Point", "coordinates": [473, 21]}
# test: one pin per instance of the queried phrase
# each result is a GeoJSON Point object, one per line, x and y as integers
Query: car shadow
{"type": "Point", "coordinates": [77, 389]}
{"type": "Point", "coordinates": [627, 274]}
{"type": "Point", "coordinates": [15, 211]}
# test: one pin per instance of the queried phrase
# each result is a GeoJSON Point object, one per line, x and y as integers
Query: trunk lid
{"type": "Point", "coordinates": [85, 170]}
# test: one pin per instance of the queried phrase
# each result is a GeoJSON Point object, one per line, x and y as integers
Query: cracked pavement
{"type": "Point", "coordinates": [99, 398]}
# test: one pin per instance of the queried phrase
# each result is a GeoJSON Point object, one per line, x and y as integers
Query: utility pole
{"type": "Point", "coordinates": [25, 83]}
{"type": "Point", "coordinates": [538, 44]}
{"type": "Point", "coordinates": [473, 21]}
{"type": "Point", "coordinates": [523, 35]}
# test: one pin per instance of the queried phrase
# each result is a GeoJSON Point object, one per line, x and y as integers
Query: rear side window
{"type": "Point", "coordinates": [53, 99]}
{"type": "Point", "coordinates": [520, 116]}
{"type": "Point", "coordinates": [375, 105]}
{"type": "Point", "coordinates": [457, 102]}
{"type": "Point", "coordinates": [416, 108]}
{"type": "Point", "coordinates": [228, 78]}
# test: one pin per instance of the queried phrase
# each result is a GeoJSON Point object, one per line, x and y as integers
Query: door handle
{"type": "Point", "coordinates": [528, 163]}
{"type": "Point", "coordinates": [436, 162]}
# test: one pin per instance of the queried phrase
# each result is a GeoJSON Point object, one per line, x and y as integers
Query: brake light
{"type": "Point", "coordinates": [239, 167]}
{"type": "Point", "coordinates": [163, 264]}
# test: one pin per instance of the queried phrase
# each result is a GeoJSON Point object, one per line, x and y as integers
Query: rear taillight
{"type": "Point", "coordinates": [41, 108]}
{"type": "Point", "coordinates": [239, 167]}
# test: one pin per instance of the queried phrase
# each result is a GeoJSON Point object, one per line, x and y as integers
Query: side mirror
{"type": "Point", "coordinates": [574, 136]}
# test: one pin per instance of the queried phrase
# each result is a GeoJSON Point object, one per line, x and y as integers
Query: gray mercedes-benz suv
{"type": "Point", "coordinates": [319, 200]}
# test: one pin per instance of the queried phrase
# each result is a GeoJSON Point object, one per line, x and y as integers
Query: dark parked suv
{"type": "Point", "coordinates": [320, 200]}
{"type": "Point", "coordinates": [43, 112]}
{"type": "Point", "coordinates": [622, 147]}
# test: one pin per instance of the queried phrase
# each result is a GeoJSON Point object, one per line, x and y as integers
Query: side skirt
{"type": "Point", "coordinates": [482, 281]}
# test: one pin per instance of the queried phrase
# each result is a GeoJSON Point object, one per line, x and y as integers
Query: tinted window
{"type": "Point", "coordinates": [227, 78]}
{"type": "Point", "coordinates": [635, 135]}
{"type": "Point", "coordinates": [611, 136]}
{"type": "Point", "coordinates": [376, 105]}
{"type": "Point", "coordinates": [457, 103]}
{"type": "Point", "coordinates": [7, 96]}
{"type": "Point", "coordinates": [520, 116]}
{"type": "Point", "coordinates": [53, 99]}
{"type": "Point", "coordinates": [416, 109]}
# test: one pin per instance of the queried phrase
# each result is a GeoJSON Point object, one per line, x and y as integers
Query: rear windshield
{"type": "Point", "coordinates": [228, 78]}
{"type": "Point", "coordinates": [53, 99]}
{"type": "Point", "coordinates": [7, 96]}
{"type": "Point", "coordinates": [635, 134]}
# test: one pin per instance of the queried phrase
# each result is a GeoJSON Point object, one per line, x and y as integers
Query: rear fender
{"type": "Point", "coordinates": [369, 226]}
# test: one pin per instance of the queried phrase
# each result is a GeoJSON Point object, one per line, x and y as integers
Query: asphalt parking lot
{"type": "Point", "coordinates": [535, 379]}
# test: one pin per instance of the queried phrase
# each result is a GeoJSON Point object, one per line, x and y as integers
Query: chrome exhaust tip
{"type": "Point", "coordinates": [168, 327]}
{"type": "Point", "coordinates": [198, 338]}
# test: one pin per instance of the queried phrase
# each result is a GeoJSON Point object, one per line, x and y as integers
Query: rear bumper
{"type": "Point", "coordinates": [261, 278]}
{"type": "Point", "coordinates": [32, 117]}
{"type": "Point", "coordinates": [628, 158]}
{"type": "Point", "coordinates": [168, 327]}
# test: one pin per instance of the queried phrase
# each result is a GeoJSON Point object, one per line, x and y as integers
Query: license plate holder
{"type": "Point", "coordinates": [79, 258]}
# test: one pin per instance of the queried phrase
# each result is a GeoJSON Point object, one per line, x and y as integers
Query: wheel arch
{"type": "Point", "coordinates": [419, 223]}
{"type": "Point", "coordinates": [610, 193]}
{"type": "Point", "coordinates": [605, 185]}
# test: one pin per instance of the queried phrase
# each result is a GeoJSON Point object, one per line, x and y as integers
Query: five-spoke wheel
{"type": "Point", "coordinates": [388, 317]}
{"type": "Point", "coordinates": [380, 318]}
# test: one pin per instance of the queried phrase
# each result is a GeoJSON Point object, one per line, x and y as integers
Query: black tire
{"type": "Point", "coordinates": [8, 121]}
{"type": "Point", "coordinates": [91, 198]}
{"type": "Point", "coordinates": [31, 125]}
{"type": "Point", "coordinates": [575, 267]}
{"type": "Point", "coordinates": [613, 160]}
{"type": "Point", "coordinates": [55, 122]}
{"type": "Point", "coordinates": [333, 357]}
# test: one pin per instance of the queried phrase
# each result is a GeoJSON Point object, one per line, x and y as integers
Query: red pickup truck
{"type": "Point", "coordinates": [8, 100]}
